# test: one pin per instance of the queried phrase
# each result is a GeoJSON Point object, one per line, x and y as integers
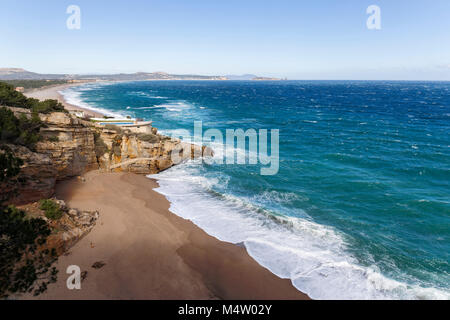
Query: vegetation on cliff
{"type": "Point", "coordinates": [11, 98]}
{"type": "Point", "coordinates": [51, 208]}
{"type": "Point", "coordinates": [22, 131]}
{"type": "Point", "coordinates": [9, 165]}
{"type": "Point", "coordinates": [100, 146]}
{"type": "Point", "coordinates": [24, 265]}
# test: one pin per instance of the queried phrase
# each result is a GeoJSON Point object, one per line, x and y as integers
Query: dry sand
{"type": "Point", "coordinates": [150, 253]}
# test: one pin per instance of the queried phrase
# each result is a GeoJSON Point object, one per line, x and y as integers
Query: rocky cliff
{"type": "Point", "coordinates": [35, 181]}
{"type": "Point", "coordinates": [73, 225]}
{"type": "Point", "coordinates": [144, 153]}
{"type": "Point", "coordinates": [70, 146]}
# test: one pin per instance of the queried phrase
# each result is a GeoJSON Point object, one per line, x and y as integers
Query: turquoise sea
{"type": "Point", "coordinates": [360, 207]}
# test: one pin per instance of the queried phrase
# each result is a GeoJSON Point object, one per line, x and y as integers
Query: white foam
{"type": "Point", "coordinates": [313, 256]}
{"type": "Point", "coordinates": [145, 95]}
{"type": "Point", "coordinates": [72, 96]}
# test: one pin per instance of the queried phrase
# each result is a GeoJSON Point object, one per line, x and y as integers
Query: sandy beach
{"type": "Point", "coordinates": [149, 252]}
{"type": "Point", "coordinates": [52, 92]}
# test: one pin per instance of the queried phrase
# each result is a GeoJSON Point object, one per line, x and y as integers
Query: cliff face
{"type": "Point", "coordinates": [69, 144]}
{"type": "Point", "coordinates": [35, 181]}
{"type": "Point", "coordinates": [69, 148]}
{"type": "Point", "coordinates": [144, 154]}
{"type": "Point", "coordinates": [67, 230]}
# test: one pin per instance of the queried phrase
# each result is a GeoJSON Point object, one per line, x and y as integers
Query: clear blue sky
{"type": "Point", "coordinates": [314, 39]}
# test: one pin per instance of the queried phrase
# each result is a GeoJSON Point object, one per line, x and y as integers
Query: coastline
{"type": "Point", "coordinates": [149, 252]}
{"type": "Point", "coordinates": [52, 92]}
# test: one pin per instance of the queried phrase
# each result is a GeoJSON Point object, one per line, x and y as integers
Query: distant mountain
{"type": "Point", "coordinates": [11, 70]}
{"type": "Point", "coordinates": [241, 77]}
{"type": "Point", "coordinates": [21, 74]}
{"type": "Point", "coordinates": [266, 79]}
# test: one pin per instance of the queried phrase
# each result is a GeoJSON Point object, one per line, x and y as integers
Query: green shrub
{"type": "Point", "coordinates": [9, 174]}
{"type": "Point", "coordinates": [113, 127]}
{"type": "Point", "coordinates": [23, 266]}
{"type": "Point", "coordinates": [53, 139]}
{"type": "Point", "coordinates": [100, 146]}
{"type": "Point", "coordinates": [51, 208]}
{"type": "Point", "coordinates": [22, 131]}
{"type": "Point", "coordinates": [152, 138]}
{"type": "Point", "coordinates": [9, 97]}
{"type": "Point", "coordinates": [48, 106]}
{"type": "Point", "coordinates": [9, 165]}
{"type": "Point", "coordinates": [116, 146]}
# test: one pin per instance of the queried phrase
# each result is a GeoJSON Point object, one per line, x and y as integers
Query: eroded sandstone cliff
{"type": "Point", "coordinates": [70, 147]}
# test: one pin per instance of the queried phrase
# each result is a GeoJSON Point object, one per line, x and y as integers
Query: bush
{"type": "Point", "coordinates": [53, 139]}
{"type": "Point", "coordinates": [9, 171]}
{"type": "Point", "coordinates": [113, 127]}
{"type": "Point", "coordinates": [51, 208]}
{"type": "Point", "coordinates": [20, 130]}
{"type": "Point", "coordinates": [100, 146]}
{"type": "Point", "coordinates": [152, 138]}
{"type": "Point", "coordinates": [9, 165]}
{"type": "Point", "coordinates": [23, 266]}
{"type": "Point", "coordinates": [11, 98]}
{"type": "Point", "coordinates": [48, 106]}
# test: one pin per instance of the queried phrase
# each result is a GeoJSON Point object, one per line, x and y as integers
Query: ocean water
{"type": "Point", "coordinates": [360, 207]}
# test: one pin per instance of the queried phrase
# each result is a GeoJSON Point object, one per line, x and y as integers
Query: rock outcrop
{"type": "Point", "coordinates": [35, 181]}
{"type": "Point", "coordinates": [68, 143]}
{"type": "Point", "coordinates": [145, 153]}
{"type": "Point", "coordinates": [69, 229]}
{"type": "Point", "coordinates": [70, 147]}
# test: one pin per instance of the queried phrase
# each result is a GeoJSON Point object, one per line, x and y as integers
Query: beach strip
{"type": "Point", "coordinates": [147, 251]}
{"type": "Point", "coordinates": [52, 92]}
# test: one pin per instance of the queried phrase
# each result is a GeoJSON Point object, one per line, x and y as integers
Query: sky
{"type": "Point", "coordinates": [314, 39]}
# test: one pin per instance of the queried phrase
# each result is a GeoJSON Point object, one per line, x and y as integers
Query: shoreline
{"type": "Point", "coordinates": [150, 252]}
{"type": "Point", "coordinates": [52, 92]}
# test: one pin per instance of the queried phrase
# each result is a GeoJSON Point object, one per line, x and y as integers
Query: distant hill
{"type": "Point", "coordinates": [21, 74]}
{"type": "Point", "coordinates": [265, 79]}
{"type": "Point", "coordinates": [241, 77]}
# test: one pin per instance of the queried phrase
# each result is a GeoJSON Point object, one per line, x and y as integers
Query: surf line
{"type": "Point", "coordinates": [235, 150]}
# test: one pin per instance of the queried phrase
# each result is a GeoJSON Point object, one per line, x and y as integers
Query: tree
{"type": "Point", "coordinates": [9, 165]}
{"type": "Point", "coordinates": [25, 264]}
{"type": "Point", "coordinates": [11, 98]}
{"type": "Point", "coordinates": [20, 130]}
